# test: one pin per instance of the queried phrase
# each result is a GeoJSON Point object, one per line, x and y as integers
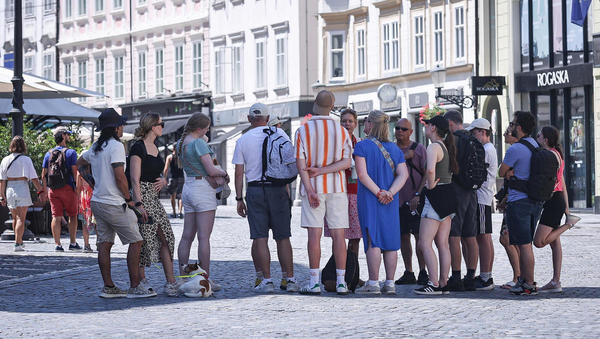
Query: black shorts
{"type": "Point", "coordinates": [484, 218]}
{"type": "Point", "coordinates": [409, 223]}
{"type": "Point", "coordinates": [268, 208]}
{"type": "Point", "coordinates": [464, 223]}
{"type": "Point", "coordinates": [175, 185]}
{"type": "Point", "coordinates": [554, 209]}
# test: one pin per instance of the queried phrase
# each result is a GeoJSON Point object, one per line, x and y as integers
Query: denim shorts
{"type": "Point", "coordinates": [430, 213]}
{"type": "Point", "coordinates": [521, 218]}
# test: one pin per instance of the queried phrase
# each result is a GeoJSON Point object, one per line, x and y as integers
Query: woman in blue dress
{"type": "Point", "coordinates": [381, 174]}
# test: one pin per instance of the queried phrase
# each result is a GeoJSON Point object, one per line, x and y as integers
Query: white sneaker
{"type": "Point", "coordinates": [341, 289]}
{"type": "Point", "coordinates": [265, 287]}
{"type": "Point", "coordinates": [19, 248]}
{"type": "Point", "coordinates": [140, 292]}
{"type": "Point", "coordinates": [388, 289]}
{"type": "Point", "coordinates": [291, 287]}
{"type": "Point", "coordinates": [572, 219]}
{"type": "Point", "coordinates": [311, 289]}
{"type": "Point", "coordinates": [369, 289]}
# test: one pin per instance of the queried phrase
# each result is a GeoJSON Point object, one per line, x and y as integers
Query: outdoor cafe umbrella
{"type": "Point", "coordinates": [40, 88]}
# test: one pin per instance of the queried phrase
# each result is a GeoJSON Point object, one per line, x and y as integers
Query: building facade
{"type": "Point", "coordinates": [548, 66]}
{"type": "Point", "coordinates": [379, 54]}
{"type": "Point", "coordinates": [39, 36]}
{"type": "Point", "coordinates": [271, 59]}
{"type": "Point", "coordinates": [143, 55]}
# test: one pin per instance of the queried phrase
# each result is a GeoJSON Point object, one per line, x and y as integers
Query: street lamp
{"type": "Point", "coordinates": [438, 77]}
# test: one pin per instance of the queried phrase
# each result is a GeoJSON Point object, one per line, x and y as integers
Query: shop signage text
{"type": "Point", "coordinates": [553, 78]}
{"type": "Point", "coordinates": [487, 85]}
{"type": "Point", "coordinates": [363, 107]}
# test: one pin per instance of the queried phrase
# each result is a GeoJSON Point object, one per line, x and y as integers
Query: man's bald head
{"type": "Point", "coordinates": [404, 123]}
{"type": "Point", "coordinates": [323, 103]}
{"type": "Point", "coordinates": [403, 131]}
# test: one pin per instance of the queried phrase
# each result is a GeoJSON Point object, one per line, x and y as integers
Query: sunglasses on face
{"type": "Point", "coordinates": [161, 124]}
{"type": "Point", "coordinates": [403, 129]}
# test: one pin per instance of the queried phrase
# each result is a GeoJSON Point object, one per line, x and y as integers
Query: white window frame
{"type": "Point", "coordinates": [142, 74]}
{"type": "Point", "coordinates": [419, 35]}
{"type": "Point", "coordinates": [100, 67]}
{"type": "Point", "coordinates": [68, 73]}
{"type": "Point", "coordinates": [99, 5]}
{"type": "Point", "coordinates": [159, 70]}
{"type": "Point", "coordinates": [28, 8]}
{"type": "Point", "coordinates": [438, 37]}
{"type": "Point", "coordinates": [178, 57]}
{"type": "Point", "coordinates": [117, 4]}
{"type": "Point", "coordinates": [197, 64]}
{"type": "Point", "coordinates": [281, 58]}
{"type": "Point", "coordinates": [220, 70]}
{"type": "Point", "coordinates": [237, 68]}
{"type": "Point", "coordinates": [361, 53]}
{"type": "Point", "coordinates": [81, 7]}
{"type": "Point", "coordinates": [260, 48]}
{"type": "Point", "coordinates": [68, 8]}
{"type": "Point", "coordinates": [390, 33]}
{"type": "Point", "coordinates": [333, 51]}
{"type": "Point", "coordinates": [10, 10]}
{"type": "Point", "coordinates": [119, 79]}
{"type": "Point", "coordinates": [82, 76]}
{"type": "Point", "coordinates": [48, 66]}
{"type": "Point", "coordinates": [48, 6]}
{"type": "Point", "coordinates": [29, 59]}
{"type": "Point", "coordinates": [459, 33]}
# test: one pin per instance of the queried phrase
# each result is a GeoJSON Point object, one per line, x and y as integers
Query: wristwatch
{"type": "Point", "coordinates": [138, 204]}
{"type": "Point", "coordinates": [417, 194]}
{"type": "Point", "coordinates": [239, 199]}
{"type": "Point", "coordinates": [128, 200]}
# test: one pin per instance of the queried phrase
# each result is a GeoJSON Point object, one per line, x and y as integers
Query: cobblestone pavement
{"type": "Point", "coordinates": [45, 294]}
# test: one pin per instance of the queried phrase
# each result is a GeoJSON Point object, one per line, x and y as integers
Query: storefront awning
{"type": "Point", "coordinates": [59, 109]}
{"type": "Point", "coordinates": [228, 135]}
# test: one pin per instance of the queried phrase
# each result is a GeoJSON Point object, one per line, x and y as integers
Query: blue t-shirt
{"type": "Point", "coordinates": [192, 165]}
{"type": "Point", "coordinates": [71, 156]}
{"type": "Point", "coordinates": [518, 156]}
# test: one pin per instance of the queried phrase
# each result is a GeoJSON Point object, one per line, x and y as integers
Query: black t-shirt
{"type": "Point", "coordinates": [152, 167]}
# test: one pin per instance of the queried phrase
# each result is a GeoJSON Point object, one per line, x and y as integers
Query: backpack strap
{"type": "Point", "coordinates": [384, 152]}
{"type": "Point", "coordinates": [528, 145]}
{"type": "Point", "coordinates": [13, 160]}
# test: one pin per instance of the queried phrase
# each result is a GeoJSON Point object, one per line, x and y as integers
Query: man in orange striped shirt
{"type": "Point", "coordinates": [323, 152]}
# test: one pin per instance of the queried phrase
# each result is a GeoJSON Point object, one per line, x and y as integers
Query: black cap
{"type": "Point", "coordinates": [110, 118]}
{"type": "Point", "coordinates": [438, 121]}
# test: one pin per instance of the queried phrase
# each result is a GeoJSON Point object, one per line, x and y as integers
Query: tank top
{"type": "Point", "coordinates": [176, 171]}
{"type": "Point", "coordinates": [442, 168]}
{"type": "Point", "coordinates": [559, 185]}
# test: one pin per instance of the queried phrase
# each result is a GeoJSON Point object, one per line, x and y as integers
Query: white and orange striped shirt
{"type": "Point", "coordinates": [322, 141]}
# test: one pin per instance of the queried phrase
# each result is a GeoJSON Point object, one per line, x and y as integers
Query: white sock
{"type": "Point", "coordinates": [373, 282]}
{"type": "Point", "coordinates": [314, 276]}
{"type": "Point", "coordinates": [292, 279]}
{"type": "Point", "coordinates": [389, 283]}
{"type": "Point", "coordinates": [341, 276]}
{"type": "Point", "coordinates": [74, 243]}
{"type": "Point", "coordinates": [267, 280]}
{"type": "Point", "coordinates": [485, 276]}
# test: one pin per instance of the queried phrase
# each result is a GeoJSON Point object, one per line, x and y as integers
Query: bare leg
{"type": "Point", "coordinates": [527, 261]}
{"type": "Point", "coordinates": [133, 262]}
{"type": "Point", "coordinates": [73, 228]}
{"type": "Point", "coordinates": [373, 260]}
{"type": "Point", "coordinates": [56, 226]}
{"type": "Point", "coordinates": [86, 233]}
{"type": "Point", "coordinates": [427, 232]}
{"type": "Point", "coordinates": [406, 251]}
{"type": "Point", "coordinates": [104, 263]}
{"type": "Point", "coordinates": [285, 255]}
{"type": "Point", "coordinates": [173, 202]}
{"type": "Point", "coordinates": [390, 261]}
{"type": "Point", "coordinates": [556, 259]}
{"type": "Point", "coordinates": [441, 241]}
{"type": "Point", "coordinates": [262, 256]}
{"type": "Point", "coordinates": [165, 257]}
{"type": "Point", "coordinates": [187, 238]}
{"type": "Point", "coordinates": [205, 222]}
{"type": "Point", "coordinates": [513, 255]}
{"type": "Point", "coordinates": [339, 248]}
{"type": "Point", "coordinates": [486, 252]}
{"type": "Point", "coordinates": [19, 215]}
{"type": "Point", "coordinates": [454, 252]}
{"type": "Point", "coordinates": [472, 252]}
{"type": "Point", "coordinates": [314, 247]}
{"type": "Point", "coordinates": [545, 235]}
{"type": "Point", "coordinates": [420, 258]}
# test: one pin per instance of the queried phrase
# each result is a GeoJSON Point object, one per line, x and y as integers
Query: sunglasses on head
{"type": "Point", "coordinates": [404, 129]}
{"type": "Point", "coordinates": [161, 124]}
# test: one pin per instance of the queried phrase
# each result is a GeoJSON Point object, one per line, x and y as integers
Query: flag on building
{"type": "Point", "coordinates": [579, 10]}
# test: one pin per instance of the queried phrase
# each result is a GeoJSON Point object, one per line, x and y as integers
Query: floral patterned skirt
{"type": "Point", "coordinates": [151, 247]}
{"type": "Point", "coordinates": [353, 231]}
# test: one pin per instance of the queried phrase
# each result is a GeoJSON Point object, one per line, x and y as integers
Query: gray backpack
{"type": "Point", "coordinates": [278, 159]}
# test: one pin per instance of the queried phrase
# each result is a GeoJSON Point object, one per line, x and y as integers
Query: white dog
{"type": "Point", "coordinates": [197, 285]}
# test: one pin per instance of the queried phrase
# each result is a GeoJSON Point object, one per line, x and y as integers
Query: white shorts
{"type": "Point", "coordinates": [198, 196]}
{"type": "Point", "coordinates": [17, 194]}
{"type": "Point", "coordinates": [332, 206]}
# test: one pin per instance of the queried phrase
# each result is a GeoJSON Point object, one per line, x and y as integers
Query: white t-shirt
{"type": "Point", "coordinates": [22, 167]}
{"type": "Point", "coordinates": [485, 194]}
{"type": "Point", "coordinates": [248, 151]}
{"type": "Point", "coordinates": [105, 189]}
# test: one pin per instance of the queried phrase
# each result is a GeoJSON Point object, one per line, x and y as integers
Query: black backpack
{"type": "Point", "coordinates": [58, 173]}
{"type": "Point", "coordinates": [472, 168]}
{"type": "Point", "coordinates": [542, 174]}
{"type": "Point", "coordinates": [329, 277]}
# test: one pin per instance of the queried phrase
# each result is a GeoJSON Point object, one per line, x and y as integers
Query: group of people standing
{"type": "Point", "coordinates": [371, 189]}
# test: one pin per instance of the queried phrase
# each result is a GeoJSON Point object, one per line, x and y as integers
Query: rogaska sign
{"type": "Point", "coordinates": [551, 78]}
{"type": "Point", "coordinates": [554, 78]}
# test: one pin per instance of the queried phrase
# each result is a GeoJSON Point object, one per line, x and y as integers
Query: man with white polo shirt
{"type": "Point", "coordinates": [267, 206]}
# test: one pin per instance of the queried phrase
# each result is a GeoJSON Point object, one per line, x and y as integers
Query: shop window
{"type": "Point", "coordinates": [337, 55]}
{"type": "Point", "coordinates": [541, 35]}
{"type": "Point", "coordinates": [524, 12]}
